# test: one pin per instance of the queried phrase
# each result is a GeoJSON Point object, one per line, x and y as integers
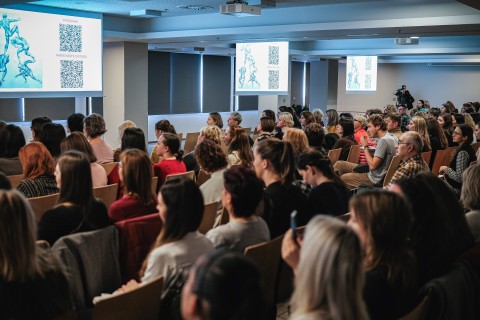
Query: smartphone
{"type": "Point", "coordinates": [293, 224]}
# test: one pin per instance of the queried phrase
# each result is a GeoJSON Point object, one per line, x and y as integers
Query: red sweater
{"type": "Point", "coordinates": [166, 167]}
{"type": "Point", "coordinates": [128, 207]}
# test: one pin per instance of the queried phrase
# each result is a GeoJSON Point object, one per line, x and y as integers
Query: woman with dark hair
{"type": "Point", "coordinates": [132, 138]}
{"type": "Point", "coordinates": [51, 136]}
{"type": "Point", "coordinates": [332, 120]}
{"type": "Point", "coordinates": [168, 147]}
{"type": "Point", "coordinates": [77, 141]}
{"type": "Point", "coordinates": [461, 159]}
{"type": "Point", "coordinates": [121, 130]}
{"type": "Point", "coordinates": [274, 164]}
{"type": "Point", "coordinates": [269, 113]}
{"type": "Point", "coordinates": [329, 194]}
{"type": "Point", "coordinates": [32, 284]}
{"type": "Point", "coordinates": [241, 196]}
{"type": "Point", "coordinates": [37, 125]}
{"type": "Point", "coordinates": [215, 119]}
{"type": "Point", "coordinates": [382, 220]}
{"type": "Point", "coordinates": [94, 128]}
{"type": "Point", "coordinates": [438, 140]}
{"type": "Point", "coordinates": [439, 233]}
{"type": "Point", "coordinates": [239, 151]}
{"type": "Point", "coordinates": [37, 163]}
{"type": "Point", "coordinates": [77, 210]}
{"type": "Point", "coordinates": [135, 171]}
{"type": "Point", "coordinates": [208, 293]}
{"type": "Point", "coordinates": [306, 117]}
{"type": "Point", "coordinates": [345, 130]}
{"type": "Point", "coordinates": [445, 122]}
{"type": "Point", "coordinates": [4, 182]}
{"type": "Point", "coordinates": [265, 129]}
{"type": "Point", "coordinates": [161, 127]}
{"type": "Point", "coordinates": [11, 140]}
{"type": "Point", "coordinates": [179, 244]}
{"type": "Point", "coordinates": [316, 136]}
{"type": "Point", "coordinates": [457, 118]}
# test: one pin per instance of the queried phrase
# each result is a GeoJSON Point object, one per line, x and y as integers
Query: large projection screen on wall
{"type": "Point", "coordinates": [45, 54]}
{"type": "Point", "coordinates": [261, 68]}
{"type": "Point", "coordinates": [361, 73]}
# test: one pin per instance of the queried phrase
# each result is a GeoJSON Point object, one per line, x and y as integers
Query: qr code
{"type": "Point", "coordinates": [273, 55]}
{"type": "Point", "coordinates": [368, 63]}
{"type": "Point", "coordinates": [273, 77]}
{"type": "Point", "coordinates": [71, 73]}
{"type": "Point", "coordinates": [368, 81]}
{"type": "Point", "coordinates": [70, 38]}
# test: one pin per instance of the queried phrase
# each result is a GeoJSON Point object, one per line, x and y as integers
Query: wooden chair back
{"type": "Point", "coordinates": [190, 141]}
{"type": "Point", "coordinates": [419, 312]}
{"type": "Point", "coordinates": [475, 146]}
{"type": "Point", "coordinates": [354, 154]}
{"type": "Point", "coordinates": [180, 136]}
{"type": "Point", "coordinates": [109, 166]}
{"type": "Point", "coordinates": [141, 303]}
{"type": "Point", "coordinates": [209, 215]}
{"type": "Point", "coordinates": [267, 255]}
{"type": "Point", "coordinates": [15, 180]}
{"type": "Point", "coordinates": [426, 156]}
{"type": "Point", "coordinates": [189, 174]}
{"type": "Point", "coordinates": [448, 156]}
{"type": "Point", "coordinates": [334, 154]}
{"type": "Point", "coordinates": [154, 184]}
{"type": "Point", "coordinates": [438, 161]}
{"type": "Point", "coordinates": [247, 131]}
{"type": "Point", "coordinates": [42, 204]}
{"type": "Point", "coordinates": [391, 170]}
{"type": "Point", "coordinates": [108, 194]}
{"type": "Point", "coordinates": [255, 137]}
{"type": "Point", "coordinates": [202, 177]}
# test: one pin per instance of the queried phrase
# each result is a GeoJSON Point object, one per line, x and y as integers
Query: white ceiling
{"type": "Point", "coordinates": [449, 30]}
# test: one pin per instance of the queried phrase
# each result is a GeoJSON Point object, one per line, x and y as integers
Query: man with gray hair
{"type": "Point", "coordinates": [235, 119]}
{"type": "Point", "coordinates": [409, 149]}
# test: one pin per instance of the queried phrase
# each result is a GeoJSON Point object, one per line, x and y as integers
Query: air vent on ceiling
{"type": "Point", "coordinates": [407, 41]}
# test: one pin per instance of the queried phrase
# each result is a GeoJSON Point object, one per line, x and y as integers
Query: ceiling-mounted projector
{"type": "Point", "coordinates": [240, 9]}
{"type": "Point", "coordinates": [406, 41]}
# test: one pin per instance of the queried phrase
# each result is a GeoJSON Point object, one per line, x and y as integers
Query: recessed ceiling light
{"type": "Point", "coordinates": [196, 7]}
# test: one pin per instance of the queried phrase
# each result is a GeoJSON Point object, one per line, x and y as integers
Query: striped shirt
{"type": "Point", "coordinates": [41, 186]}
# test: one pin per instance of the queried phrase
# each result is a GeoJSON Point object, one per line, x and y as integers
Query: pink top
{"type": "Point", "coordinates": [166, 167]}
{"type": "Point", "coordinates": [128, 207]}
{"type": "Point", "coordinates": [99, 175]}
{"type": "Point", "coordinates": [102, 151]}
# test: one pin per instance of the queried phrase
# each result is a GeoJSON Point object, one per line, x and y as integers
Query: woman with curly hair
{"type": "Point", "coordinates": [239, 151]}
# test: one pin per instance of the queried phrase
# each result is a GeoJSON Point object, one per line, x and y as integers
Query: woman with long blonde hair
{"type": "Point", "coordinates": [419, 124]}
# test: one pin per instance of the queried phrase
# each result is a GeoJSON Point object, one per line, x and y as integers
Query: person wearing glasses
{"type": "Point", "coordinates": [409, 149]}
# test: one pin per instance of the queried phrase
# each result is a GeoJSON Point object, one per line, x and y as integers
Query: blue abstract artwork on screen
{"type": "Point", "coordinates": [18, 66]}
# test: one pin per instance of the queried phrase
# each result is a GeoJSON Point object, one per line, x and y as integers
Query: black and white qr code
{"type": "Point", "coordinates": [71, 73]}
{"type": "Point", "coordinates": [273, 77]}
{"type": "Point", "coordinates": [70, 38]}
{"type": "Point", "coordinates": [368, 63]}
{"type": "Point", "coordinates": [273, 55]}
{"type": "Point", "coordinates": [368, 81]}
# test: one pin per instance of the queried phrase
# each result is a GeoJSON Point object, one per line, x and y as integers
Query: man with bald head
{"type": "Point", "coordinates": [409, 149]}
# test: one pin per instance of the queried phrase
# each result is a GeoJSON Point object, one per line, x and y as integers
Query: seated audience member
{"type": "Point", "coordinates": [438, 140]}
{"type": "Point", "coordinates": [161, 127]}
{"type": "Point", "coordinates": [239, 151]}
{"type": "Point", "coordinates": [4, 182]}
{"type": "Point", "coordinates": [132, 138]}
{"type": "Point", "coordinates": [345, 131]}
{"type": "Point", "coordinates": [470, 197]}
{"type": "Point", "coordinates": [215, 119]}
{"type": "Point", "coordinates": [409, 150]}
{"type": "Point", "coordinates": [419, 124]}
{"type": "Point", "coordinates": [445, 122]}
{"type": "Point", "coordinates": [318, 114]}
{"type": "Point", "coordinates": [382, 220]}
{"type": "Point", "coordinates": [36, 126]}
{"type": "Point", "coordinates": [298, 139]}
{"type": "Point", "coordinates": [285, 120]}
{"type": "Point", "coordinates": [306, 117]}
{"type": "Point", "coordinates": [332, 120]}
{"type": "Point", "coordinates": [94, 128]}
{"type": "Point", "coordinates": [477, 135]}
{"type": "Point", "coordinates": [269, 113]}
{"type": "Point", "coordinates": [275, 165]}
{"type": "Point", "coordinates": [405, 119]}
{"type": "Point", "coordinates": [32, 284]}
{"type": "Point", "coordinates": [51, 136]}
{"type": "Point", "coordinates": [378, 163]}
{"type": "Point", "coordinates": [77, 141]}
{"type": "Point", "coordinates": [329, 274]}
{"type": "Point", "coordinates": [461, 159]}
{"type": "Point", "coordinates": [359, 125]}
{"type": "Point", "coordinates": [77, 210]}
{"type": "Point", "coordinates": [458, 118]}
{"type": "Point", "coordinates": [440, 232]}
{"type": "Point", "coordinates": [315, 135]}
{"type": "Point", "coordinates": [206, 133]}
{"type": "Point", "coordinates": [265, 129]}
{"type": "Point", "coordinates": [213, 161]}
{"type": "Point", "coordinates": [75, 122]}
{"type": "Point", "coordinates": [136, 175]}
{"type": "Point", "coordinates": [208, 294]}
{"type": "Point", "coordinates": [121, 130]}
{"type": "Point", "coordinates": [329, 194]}
{"type": "Point", "coordinates": [241, 196]}
{"type": "Point", "coordinates": [433, 113]}
{"type": "Point", "coordinates": [235, 119]}
{"type": "Point", "coordinates": [168, 147]}
{"type": "Point", "coordinates": [37, 163]}
{"type": "Point", "coordinates": [11, 140]}
{"type": "Point", "coordinates": [179, 244]}
{"type": "Point", "coordinates": [394, 122]}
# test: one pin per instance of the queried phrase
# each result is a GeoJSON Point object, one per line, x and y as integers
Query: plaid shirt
{"type": "Point", "coordinates": [408, 169]}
